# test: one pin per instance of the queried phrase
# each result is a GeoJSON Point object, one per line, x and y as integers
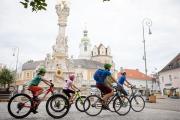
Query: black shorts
{"type": "Point", "coordinates": [122, 90]}
{"type": "Point", "coordinates": [68, 91]}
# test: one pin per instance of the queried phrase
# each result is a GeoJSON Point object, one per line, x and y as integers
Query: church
{"type": "Point", "coordinates": [58, 64]}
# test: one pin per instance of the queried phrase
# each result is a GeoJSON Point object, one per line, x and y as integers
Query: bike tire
{"type": "Point", "coordinates": [141, 106]}
{"type": "Point", "coordinates": [65, 107]}
{"type": "Point", "coordinates": [87, 105]}
{"type": "Point", "coordinates": [124, 105]}
{"type": "Point", "coordinates": [10, 102]}
{"type": "Point", "coordinates": [80, 100]}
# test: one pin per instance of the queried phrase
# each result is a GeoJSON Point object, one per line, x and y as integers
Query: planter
{"type": "Point", "coordinates": [152, 99]}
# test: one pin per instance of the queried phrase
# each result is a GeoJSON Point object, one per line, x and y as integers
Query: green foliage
{"type": "Point", "coordinates": [6, 77]}
{"type": "Point", "coordinates": [35, 5]}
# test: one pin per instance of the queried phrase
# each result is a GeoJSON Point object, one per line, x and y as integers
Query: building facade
{"type": "Point", "coordinates": [169, 77]}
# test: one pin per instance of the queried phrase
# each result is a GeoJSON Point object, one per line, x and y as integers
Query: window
{"type": "Point", "coordinates": [28, 75]}
{"type": "Point", "coordinates": [170, 77]}
{"type": "Point", "coordinates": [162, 79]}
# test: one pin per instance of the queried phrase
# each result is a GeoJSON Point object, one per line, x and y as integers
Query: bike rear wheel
{"type": "Point", "coordinates": [137, 103]}
{"type": "Point", "coordinates": [79, 103]}
{"type": "Point", "coordinates": [122, 105]}
{"type": "Point", "coordinates": [92, 105]}
{"type": "Point", "coordinates": [20, 105]}
{"type": "Point", "coordinates": [57, 106]}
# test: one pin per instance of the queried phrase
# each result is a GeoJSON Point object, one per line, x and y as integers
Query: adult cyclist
{"type": "Point", "coordinates": [123, 81]}
{"type": "Point", "coordinates": [100, 77]}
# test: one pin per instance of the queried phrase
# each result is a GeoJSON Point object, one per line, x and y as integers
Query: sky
{"type": "Point", "coordinates": [117, 23]}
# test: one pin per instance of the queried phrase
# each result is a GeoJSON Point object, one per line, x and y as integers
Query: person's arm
{"type": "Point", "coordinates": [128, 84]}
{"type": "Point", "coordinates": [46, 81]}
{"type": "Point", "coordinates": [74, 87]}
{"type": "Point", "coordinates": [113, 79]}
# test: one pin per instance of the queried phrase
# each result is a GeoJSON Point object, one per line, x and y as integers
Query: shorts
{"type": "Point", "coordinates": [103, 88]}
{"type": "Point", "coordinates": [121, 89]}
{"type": "Point", "coordinates": [35, 90]}
{"type": "Point", "coordinates": [68, 91]}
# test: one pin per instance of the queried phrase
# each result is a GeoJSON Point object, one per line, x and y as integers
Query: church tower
{"type": "Point", "coordinates": [85, 46]}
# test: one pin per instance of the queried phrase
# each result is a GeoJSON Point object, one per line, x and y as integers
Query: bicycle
{"type": "Point", "coordinates": [79, 100]}
{"type": "Point", "coordinates": [94, 103]}
{"type": "Point", "coordinates": [21, 104]}
{"type": "Point", "coordinates": [136, 100]}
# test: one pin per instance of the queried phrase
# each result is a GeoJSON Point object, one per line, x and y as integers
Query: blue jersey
{"type": "Point", "coordinates": [122, 80]}
{"type": "Point", "coordinates": [100, 76]}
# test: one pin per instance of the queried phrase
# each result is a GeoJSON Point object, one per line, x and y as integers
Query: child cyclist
{"type": "Point", "coordinates": [35, 89]}
{"type": "Point", "coordinates": [70, 88]}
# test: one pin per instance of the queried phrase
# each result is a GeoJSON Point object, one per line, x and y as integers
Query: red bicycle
{"type": "Point", "coordinates": [21, 105]}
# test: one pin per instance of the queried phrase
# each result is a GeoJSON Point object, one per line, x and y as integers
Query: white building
{"type": "Point", "coordinates": [169, 77]}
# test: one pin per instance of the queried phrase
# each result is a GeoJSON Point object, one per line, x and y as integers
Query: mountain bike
{"type": "Point", "coordinates": [21, 105]}
{"type": "Point", "coordinates": [136, 100]}
{"type": "Point", "coordinates": [78, 100]}
{"type": "Point", "coordinates": [93, 104]}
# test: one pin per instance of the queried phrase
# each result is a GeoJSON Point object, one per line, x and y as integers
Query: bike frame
{"type": "Point", "coordinates": [50, 89]}
{"type": "Point", "coordinates": [132, 93]}
{"type": "Point", "coordinates": [76, 95]}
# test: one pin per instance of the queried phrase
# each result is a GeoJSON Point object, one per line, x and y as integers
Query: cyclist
{"type": "Point", "coordinates": [35, 89]}
{"type": "Point", "coordinates": [69, 87]}
{"type": "Point", "coordinates": [123, 81]}
{"type": "Point", "coordinates": [100, 76]}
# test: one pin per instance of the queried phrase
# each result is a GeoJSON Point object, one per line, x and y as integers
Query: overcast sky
{"type": "Point", "coordinates": [117, 24]}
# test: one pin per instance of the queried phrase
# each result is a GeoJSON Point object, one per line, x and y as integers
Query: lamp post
{"type": "Point", "coordinates": [148, 23]}
{"type": "Point", "coordinates": [16, 54]}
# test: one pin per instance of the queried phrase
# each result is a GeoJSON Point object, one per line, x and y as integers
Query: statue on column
{"type": "Point", "coordinates": [62, 11]}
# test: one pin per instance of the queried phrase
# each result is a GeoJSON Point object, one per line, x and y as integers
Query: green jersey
{"type": "Point", "coordinates": [35, 81]}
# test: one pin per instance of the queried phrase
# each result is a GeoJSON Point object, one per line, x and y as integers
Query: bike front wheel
{"type": "Point", "coordinates": [79, 103]}
{"type": "Point", "coordinates": [122, 105]}
{"type": "Point", "coordinates": [57, 106]}
{"type": "Point", "coordinates": [137, 103]}
{"type": "Point", "coordinates": [92, 105]}
{"type": "Point", "coordinates": [20, 105]}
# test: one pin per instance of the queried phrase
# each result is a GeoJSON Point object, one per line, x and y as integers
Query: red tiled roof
{"type": "Point", "coordinates": [135, 74]}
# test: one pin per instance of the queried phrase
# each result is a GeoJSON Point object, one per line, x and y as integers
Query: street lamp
{"type": "Point", "coordinates": [16, 54]}
{"type": "Point", "coordinates": [148, 23]}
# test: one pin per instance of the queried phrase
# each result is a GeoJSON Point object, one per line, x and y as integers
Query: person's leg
{"type": "Point", "coordinates": [36, 92]}
{"type": "Point", "coordinates": [106, 90]}
{"type": "Point", "coordinates": [72, 95]}
{"type": "Point", "coordinates": [67, 93]}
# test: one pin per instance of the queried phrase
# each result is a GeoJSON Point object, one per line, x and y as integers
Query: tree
{"type": "Point", "coordinates": [36, 5]}
{"type": "Point", "coordinates": [6, 77]}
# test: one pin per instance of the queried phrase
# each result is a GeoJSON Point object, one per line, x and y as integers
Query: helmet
{"type": "Point", "coordinates": [71, 77]}
{"type": "Point", "coordinates": [107, 66]}
{"type": "Point", "coordinates": [123, 73]}
{"type": "Point", "coordinates": [41, 70]}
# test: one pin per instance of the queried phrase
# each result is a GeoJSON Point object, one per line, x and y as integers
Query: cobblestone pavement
{"type": "Point", "coordinates": [165, 104]}
{"type": "Point", "coordinates": [164, 109]}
